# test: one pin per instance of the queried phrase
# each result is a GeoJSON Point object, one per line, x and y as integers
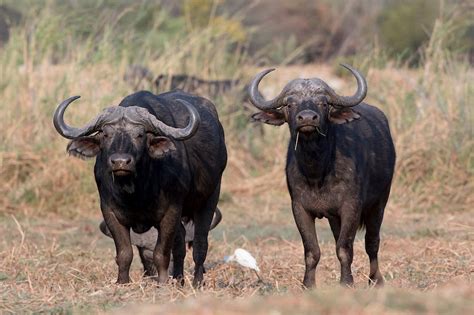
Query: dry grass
{"type": "Point", "coordinates": [62, 266]}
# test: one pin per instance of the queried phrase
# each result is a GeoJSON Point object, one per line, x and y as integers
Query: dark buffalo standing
{"type": "Point", "coordinates": [339, 165]}
{"type": "Point", "coordinates": [158, 158]}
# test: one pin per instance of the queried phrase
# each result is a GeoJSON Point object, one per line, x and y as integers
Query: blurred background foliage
{"type": "Point", "coordinates": [299, 31]}
{"type": "Point", "coordinates": [404, 26]}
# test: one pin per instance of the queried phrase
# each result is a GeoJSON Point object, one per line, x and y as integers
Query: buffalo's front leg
{"type": "Point", "coordinates": [123, 246]}
{"type": "Point", "coordinates": [166, 232]}
{"type": "Point", "coordinates": [305, 223]}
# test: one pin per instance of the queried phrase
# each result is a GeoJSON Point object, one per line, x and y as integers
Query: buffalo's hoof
{"type": "Point", "coordinates": [309, 281]}
{"type": "Point", "coordinates": [123, 281]}
{"type": "Point", "coordinates": [308, 285]}
{"type": "Point", "coordinates": [376, 281]}
{"type": "Point", "coordinates": [349, 283]}
{"type": "Point", "coordinates": [161, 280]}
{"type": "Point", "coordinates": [179, 280]}
{"type": "Point", "coordinates": [198, 283]}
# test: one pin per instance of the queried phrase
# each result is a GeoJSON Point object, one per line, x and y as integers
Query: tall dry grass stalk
{"type": "Point", "coordinates": [430, 111]}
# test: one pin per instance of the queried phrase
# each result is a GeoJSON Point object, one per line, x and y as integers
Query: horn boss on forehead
{"type": "Point", "coordinates": [153, 124]}
{"type": "Point", "coordinates": [336, 100]}
{"type": "Point", "coordinates": [136, 114]}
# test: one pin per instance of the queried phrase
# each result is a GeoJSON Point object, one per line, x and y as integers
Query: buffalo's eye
{"type": "Point", "coordinates": [140, 135]}
{"type": "Point", "coordinates": [290, 101]}
{"type": "Point", "coordinates": [106, 135]}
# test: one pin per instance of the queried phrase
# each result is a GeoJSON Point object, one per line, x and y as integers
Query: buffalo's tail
{"type": "Point", "coordinates": [216, 219]}
{"type": "Point", "coordinates": [104, 229]}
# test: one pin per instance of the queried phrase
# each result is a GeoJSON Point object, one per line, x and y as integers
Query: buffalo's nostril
{"type": "Point", "coordinates": [307, 116]}
{"type": "Point", "coordinates": [120, 160]}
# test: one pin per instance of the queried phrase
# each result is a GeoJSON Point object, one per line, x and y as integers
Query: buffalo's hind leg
{"type": "Point", "coordinates": [350, 218]}
{"type": "Point", "coordinates": [146, 256]}
{"type": "Point", "coordinates": [179, 253]}
{"type": "Point", "coordinates": [202, 224]}
{"type": "Point", "coordinates": [373, 222]}
{"type": "Point", "coordinates": [164, 245]}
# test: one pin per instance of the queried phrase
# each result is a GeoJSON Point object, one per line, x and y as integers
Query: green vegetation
{"type": "Point", "coordinates": [405, 25]}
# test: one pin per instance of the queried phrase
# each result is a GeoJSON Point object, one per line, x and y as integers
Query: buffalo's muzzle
{"type": "Point", "coordinates": [307, 121]}
{"type": "Point", "coordinates": [122, 164]}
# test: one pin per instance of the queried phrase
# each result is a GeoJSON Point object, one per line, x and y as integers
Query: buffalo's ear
{"type": "Point", "coordinates": [276, 119]}
{"type": "Point", "coordinates": [84, 147]}
{"type": "Point", "coordinates": [159, 147]}
{"type": "Point", "coordinates": [342, 115]}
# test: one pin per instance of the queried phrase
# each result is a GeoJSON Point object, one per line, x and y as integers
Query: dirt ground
{"type": "Point", "coordinates": [59, 265]}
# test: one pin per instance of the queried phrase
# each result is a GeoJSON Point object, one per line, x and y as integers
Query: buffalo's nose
{"type": "Point", "coordinates": [308, 116]}
{"type": "Point", "coordinates": [120, 160]}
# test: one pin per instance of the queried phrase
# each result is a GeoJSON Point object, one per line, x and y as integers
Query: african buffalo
{"type": "Point", "coordinates": [158, 158]}
{"type": "Point", "coordinates": [340, 165]}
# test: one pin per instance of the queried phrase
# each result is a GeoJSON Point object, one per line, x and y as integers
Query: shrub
{"type": "Point", "coordinates": [405, 26]}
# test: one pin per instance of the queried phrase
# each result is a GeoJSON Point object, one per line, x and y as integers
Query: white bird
{"type": "Point", "coordinates": [243, 258]}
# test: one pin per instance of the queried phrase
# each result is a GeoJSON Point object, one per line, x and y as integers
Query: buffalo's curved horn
{"type": "Point", "coordinates": [256, 97]}
{"type": "Point", "coordinates": [349, 101]}
{"type": "Point", "coordinates": [176, 133]}
{"type": "Point", "coordinates": [71, 132]}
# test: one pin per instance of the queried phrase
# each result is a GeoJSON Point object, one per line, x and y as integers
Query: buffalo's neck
{"type": "Point", "coordinates": [314, 154]}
